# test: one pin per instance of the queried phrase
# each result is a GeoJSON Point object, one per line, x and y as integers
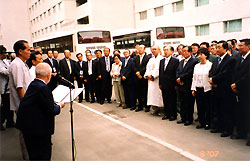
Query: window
{"type": "Point", "coordinates": [49, 12]}
{"type": "Point", "coordinates": [36, 4]}
{"type": "Point", "coordinates": [177, 6]}
{"type": "Point", "coordinates": [93, 37]}
{"type": "Point", "coordinates": [41, 17]}
{"type": "Point", "coordinates": [143, 15]}
{"type": "Point", "coordinates": [59, 5]}
{"type": "Point", "coordinates": [51, 28]}
{"type": "Point", "coordinates": [31, 22]}
{"type": "Point", "coordinates": [233, 26]}
{"type": "Point", "coordinates": [56, 26]}
{"type": "Point", "coordinates": [202, 30]}
{"type": "Point", "coordinates": [201, 2]}
{"type": "Point", "coordinates": [170, 32]}
{"type": "Point", "coordinates": [46, 29]}
{"type": "Point", "coordinates": [159, 11]}
{"type": "Point", "coordinates": [32, 7]}
{"type": "Point", "coordinates": [44, 14]}
{"type": "Point", "coordinates": [39, 2]}
{"type": "Point", "coordinates": [128, 41]}
{"type": "Point", "coordinates": [38, 32]}
{"type": "Point", "coordinates": [37, 19]}
{"type": "Point", "coordinates": [60, 44]}
{"type": "Point", "coordinates": [61, 23]}
{"type": "Point", "coordinates": [54, 9]}
{"type": "Point", "coordinates": [42, 31]}
{"type": "Point", "coordinates": [32, 35]}
{"type": "Point", "coordinates": [80, 2]}
{"type": "Point", "coordinates": [84, 20]}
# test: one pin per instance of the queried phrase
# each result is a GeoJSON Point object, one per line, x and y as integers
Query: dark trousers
{"type": "Point", "coordinates": [98, 87]}
{"type": "Point", "coordinates": [169, 101]}
{"type": "Point", "coordinates": [90, 88]}
{"type": "Point", "coordinates": [242, 116]}
{"type": "Point", "coordinates": [203, 100]}
{"type": "Point", "coordinates": [141, 89]}
{"type": "Point", "coordinates": [223, 106]}
{"type": "Point", "coordinates": [106, 87]}
{"type": "Point", "coordinates": [128, 94]}
{"type": "Point", "coordinates": [186, 105]}
{"type": "Point", "coordinates": [80, 85]}
{"type": "Point", "coordinates": [6, 113]}
{"type": "Point", "coordinates": [38, 147]}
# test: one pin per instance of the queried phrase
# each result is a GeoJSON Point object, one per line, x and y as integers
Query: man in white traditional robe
{"type": "Point", "coordinates": [152, 74]}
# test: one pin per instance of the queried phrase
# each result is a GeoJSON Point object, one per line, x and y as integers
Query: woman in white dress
{"type": "Point", "coordinates": [152, 74]}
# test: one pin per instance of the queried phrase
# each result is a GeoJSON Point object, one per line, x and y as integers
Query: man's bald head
{"type": "Point", "coordinates": [43, 71]}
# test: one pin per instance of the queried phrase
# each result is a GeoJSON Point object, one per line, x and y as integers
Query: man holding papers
{"type": "Point", "coordinates": [36, 115]}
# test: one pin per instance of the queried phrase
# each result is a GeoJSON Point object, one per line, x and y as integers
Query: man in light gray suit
{"type": "Point", "coordinates": [5, 113]}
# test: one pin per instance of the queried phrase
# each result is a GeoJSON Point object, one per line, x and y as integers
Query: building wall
{"type": "Point", "coordinates": [14, 22]}
{"type": "Point", "coordinates": [214, 14]}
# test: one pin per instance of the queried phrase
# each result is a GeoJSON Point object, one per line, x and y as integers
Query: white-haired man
{"type": "Point", "coordinates": [36, 115]}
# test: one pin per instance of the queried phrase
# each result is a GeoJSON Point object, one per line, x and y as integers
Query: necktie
{"type": "Point", "coordinates": [242, 60]}
{"type": "Point", "coordinates": [184, 63]}
{"type": "Point", "coordinates": [107, 64]}
{"type": "Point", "coordinates": [219, 60]}
{"type": "Point", "coordinates": [89, 67]}
{"type": "Point", "coordinates": [140, 59]}
{"type": "Point", "coordinates": [69, 66]}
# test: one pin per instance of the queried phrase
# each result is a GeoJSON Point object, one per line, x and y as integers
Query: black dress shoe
{"type": "Point", "coordinates": [147, 110]}
{"type": "Point", "coordinates": [180, 122]}
{"type": "Point", "coordinates": [93, 101]}
{"type": "Point", "coordinates": [2, 128]}
{"type": "Point", "coordinates": [101, 102]}
{"type": "Point", "coordinates": [133, 108]}
{"type": "Point", "coordinates": [172, 118]}
{"type": "Point", "coordinates": [109, 101]}
{"type": "Point", "coordinates": [248, 142]}
{"type": "Point", "coordinates": [200, 126]}
{"type": "Point", "coordinates": [187, 123]}
{"type": "Point", "coordinates": [87, 100]}
{"type": "Point", "coordinates": [237, 137]}
{"type": "Point", "coordinates": [165, 117]}
{"type": "Point", "coordinates": [138, 109]}
{"type": "Point", "coordinates": [224, 134]}
{"type": "Point", "coordinates": [80, 101]}
{"type": "Point", "coordinates": [124, 107]}
{"type": "Point", "coordinates": [214, 131]}
{"type": "Point", "coordinates": [10, 125]}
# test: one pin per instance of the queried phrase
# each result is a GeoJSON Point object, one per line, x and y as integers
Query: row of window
{"type": "Point", "coordinates": [35, 5]}
{"type": "Point", "coordinates": [46, 30]}
{"type": "Point", "coordinates": [229, 26]}
{"type": "Point", "coordinates": [176, 7]}
{"type": "Point", "coordinates": [49, 12]}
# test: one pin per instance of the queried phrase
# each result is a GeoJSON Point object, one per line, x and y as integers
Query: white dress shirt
{"type": "Point", "coordinates": [200, 76]}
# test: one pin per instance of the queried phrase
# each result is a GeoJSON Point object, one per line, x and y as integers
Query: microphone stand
{"type": "Point", "coordinates": [72, 130]}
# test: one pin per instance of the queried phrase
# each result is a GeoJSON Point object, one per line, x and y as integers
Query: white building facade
{"type": "Point", "coordinates": [203, 20]}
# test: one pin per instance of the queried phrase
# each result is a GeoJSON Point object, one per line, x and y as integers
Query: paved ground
{"type": "Point", "coordinates": [105, 132]}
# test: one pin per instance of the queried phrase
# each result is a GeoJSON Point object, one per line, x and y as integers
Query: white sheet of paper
{"type": "Point", "coordinates": [74, 94]}
{"type": "Point", "coordinates": [61, 93]}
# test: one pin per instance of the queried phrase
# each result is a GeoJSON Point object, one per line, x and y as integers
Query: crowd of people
{"type": "Point", "coordinates": [215, 75]}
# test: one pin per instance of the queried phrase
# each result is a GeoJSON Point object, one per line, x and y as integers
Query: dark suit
{"type": "Point", "coordinates": [65, 71]}
{"type": "Point", "coordinates": [106, 79]}
{"type": "Point", "coordinates": [128, 84]}
{"type": "Point", "coordinates": [90, 87]}
{"type": "Point", "coordinates": [167, 82]}
{"type": "Point", "coordinates": [36, 120]}
{"type": "Point", "coordinates": [141, 85]}
{"type": "Point", "coordinates": [97, 81]}
{"type": "Point", "coordinates": [55, 69]}
{"type": "Point", "coordinates": [186, 98]}
{"type": "Point", "coordinates": [242, 79]}
{"type": "Point", "coordinates": [223, 97]}
{"type": "Point", "coordinates": [79, 74]}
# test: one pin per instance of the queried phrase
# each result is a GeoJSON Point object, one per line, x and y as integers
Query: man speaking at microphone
{"type": "Point", "coordinates": [36, 115]}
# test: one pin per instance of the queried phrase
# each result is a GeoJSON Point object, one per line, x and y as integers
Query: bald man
{"type": "Point", "coordinates": [36, 115]}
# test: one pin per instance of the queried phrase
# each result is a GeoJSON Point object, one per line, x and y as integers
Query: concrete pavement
{"type": "Point", "coordinates": [99, 138]}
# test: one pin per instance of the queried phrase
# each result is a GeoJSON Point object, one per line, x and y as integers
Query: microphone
{"type": "Point", "coordinates": [66, 82]}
